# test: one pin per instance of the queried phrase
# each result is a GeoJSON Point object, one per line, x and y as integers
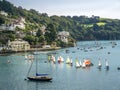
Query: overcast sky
{"type": "Point", "coordinates": [102, 8]}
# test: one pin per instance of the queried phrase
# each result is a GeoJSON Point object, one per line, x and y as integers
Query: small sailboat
{"type": "Point", "coordinates": [68, 60]}
{"type": "Point", "coordinates": [38, 77]}
{"type": "Point", "coordinates": [88, 63]}
{"type": "Point", "coordinates": [83, 65]}
{"type": "Point", "coordinates": [60, 59]}
{"type": "Point", "coordinates": [99, 64]}
{"type": "Point", "coordinates": [30, 57]}
{"type": "Point", "coordinates": [106, 65]}
{"type": "Point", "coordinates": [8, 61]}
{"type": "Point", "coordinates": [77, 65]}
{"type": "Point", "coordinates": [36, 53]}
{"type": "Point", "coordinates": [53, 59]}
{"type": "Point", "coordinates": [26, 57]}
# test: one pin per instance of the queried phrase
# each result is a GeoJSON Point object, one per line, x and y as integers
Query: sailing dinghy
{"type": "Point", "coordinates": [99, 64]}
{"type": "Point", "coordinates": [106, 65]}
{"type": "Point", "coordinates": [77, 65]}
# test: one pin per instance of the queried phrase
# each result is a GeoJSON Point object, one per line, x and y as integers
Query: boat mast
{"type": "Point", "coordinates": [36, 58]}
{"type": "Point", "coordinates": [36, 63]}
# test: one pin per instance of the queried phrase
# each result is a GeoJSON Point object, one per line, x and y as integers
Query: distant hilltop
{"type": "Point", "coordinates": [39, 28]}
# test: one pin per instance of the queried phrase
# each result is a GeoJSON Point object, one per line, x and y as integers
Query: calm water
{"type": "Point", "coordinates": [14, 68]}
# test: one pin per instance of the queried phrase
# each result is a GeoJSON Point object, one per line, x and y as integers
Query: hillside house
{"type": "Point", "coordinates": [20, 23]}
{"type": "Point", "coordinates": [18, 45]}
{"type": "Point", "coordinates": [7, 27]}
{"type": "Point", "coordinates": [3, 13]}
{"type": "Point", "coordinates": [63, 36]}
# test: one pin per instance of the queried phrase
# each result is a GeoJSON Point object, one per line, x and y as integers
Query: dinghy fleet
{"type": "Point", "coordinates": [77, 63]}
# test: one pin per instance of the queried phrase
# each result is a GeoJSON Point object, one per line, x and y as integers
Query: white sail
{"type": "Point", "coordinates": [99, 64]}
{"type": "Point", "coordinates": [60, 59]}
{"type": "Point", "coordinates": [53, 58]}
{"type": "Point", "coordinates": [106, 63]}
{"type": "Point", "coordinates": [68, 60]}
{"type": "Point", "coordinates": [83, 65]}
{"type": "Point", "coordinates": [26, 57]}
{"type": "Point", "coordinates": [80, 63]}
{"type": "Point", "coordinates": [77, 64]}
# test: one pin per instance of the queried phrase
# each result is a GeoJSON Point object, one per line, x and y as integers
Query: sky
{"type": "Point", "coordinates": [102, 8]}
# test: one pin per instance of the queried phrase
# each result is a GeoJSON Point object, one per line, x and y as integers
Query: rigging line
{"type": "Point", "coordinates": [30, 68]}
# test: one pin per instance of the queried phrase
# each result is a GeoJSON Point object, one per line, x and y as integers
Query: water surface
{"type": "Point", "coordinates": [14, 68]}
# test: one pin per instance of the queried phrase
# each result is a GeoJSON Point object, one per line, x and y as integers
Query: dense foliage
{"type": "Point", "coordinates": [80, 27]}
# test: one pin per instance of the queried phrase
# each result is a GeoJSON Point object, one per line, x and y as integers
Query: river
{"type": "Point", "coordinates": [14, 68]}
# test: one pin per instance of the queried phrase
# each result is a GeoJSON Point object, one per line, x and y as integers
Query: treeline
{"type": "Point", "coordinates": [80, 27]}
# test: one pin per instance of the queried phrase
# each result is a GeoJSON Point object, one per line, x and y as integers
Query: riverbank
{"type": "Point", "coordinates": [30, 50]}
{"type": "Point", "coordinates": [44, 49]}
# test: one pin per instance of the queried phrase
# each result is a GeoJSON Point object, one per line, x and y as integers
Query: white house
{"type": "Point", "coordinates": [3, 13]}
{"type": "Point", "coordinates": [63, 36]}
{"type": "Point", "coordinates": [43, 29]}
{"type": "Point", "coordinates": [20, 23]}
{"type": "Point", "coordinates": [7, 27]}
{"type": "Point", "coordinates": [19, 45]}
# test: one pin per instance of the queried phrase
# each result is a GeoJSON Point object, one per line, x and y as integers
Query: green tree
{"type": "Point", "coordinates": [2, 20]}
{"type": "Point", "coordinates": [51, 33]}
{"type": "Point", "coordinates": [39, 33]}
{"type": "Point", "coordinates": [41, 38]}
{"type": "Point", "coordinates": [31, 39]}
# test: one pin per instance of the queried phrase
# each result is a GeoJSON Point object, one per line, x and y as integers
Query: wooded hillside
{"type": "Point", "coordinates": [80, 27]}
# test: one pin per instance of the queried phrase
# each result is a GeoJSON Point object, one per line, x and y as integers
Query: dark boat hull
{"type": "Point", "coordinates": [40, 78]}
